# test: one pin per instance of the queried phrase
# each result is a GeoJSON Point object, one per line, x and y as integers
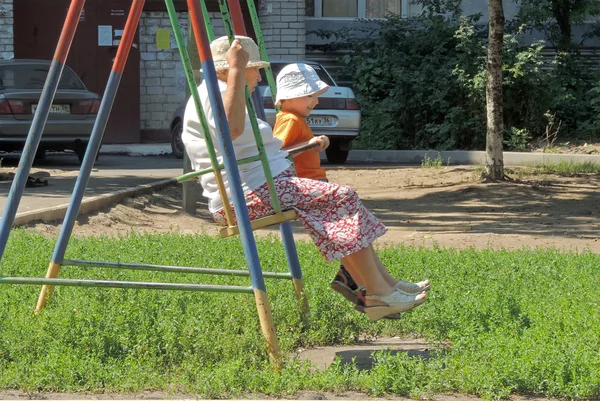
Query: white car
{"type": "Point", "coordinates": [337, 115]}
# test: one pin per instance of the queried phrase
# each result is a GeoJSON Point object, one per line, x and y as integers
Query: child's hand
{"type": "Point", "coordinates": [322, 141]}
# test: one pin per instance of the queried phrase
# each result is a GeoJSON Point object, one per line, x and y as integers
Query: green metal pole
{"type": "Point", "coordinates": [123, 284]}
{"type": "Point", "coordinates": [185, 58]}
{"type": "Point", "coordinates": [252, 114]}
{"type": "Point", "coordinates": [260, 40]}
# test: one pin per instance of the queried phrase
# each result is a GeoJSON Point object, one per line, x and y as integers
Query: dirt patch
{"type": "Point", "coordinates": [446, 207]}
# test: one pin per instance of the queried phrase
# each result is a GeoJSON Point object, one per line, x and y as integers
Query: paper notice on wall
{"type": "Point", "coordinates": [163, 39]}
{"type": "Point", "coordinates": [105, 35]}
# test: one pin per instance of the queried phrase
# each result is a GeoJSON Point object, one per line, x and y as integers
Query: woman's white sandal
{"type": "Point", "coordinates": [397, 301]}
{"type": "Point", "coordinates": [412, 288]}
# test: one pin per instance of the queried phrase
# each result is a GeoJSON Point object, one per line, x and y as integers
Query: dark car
{"type": "Point", "coordinates": [337, 115]}
{"type": "Point", "coordinates": [72, 113]}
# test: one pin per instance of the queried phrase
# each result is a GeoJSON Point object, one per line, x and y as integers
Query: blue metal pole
{"type": "Point", "coordinates": [39, 121]}
{"type": "Point", "coordinates": [110, 93]}
{"type": "Point", "coordinates": [235, 183]}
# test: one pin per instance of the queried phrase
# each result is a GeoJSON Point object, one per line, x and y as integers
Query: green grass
{"type": "Point", "coordinates": [437, 162]}
{"type": "Point", "coordinates": [567, 168]}
{"type": "Point", "coordinates": [512, 322]}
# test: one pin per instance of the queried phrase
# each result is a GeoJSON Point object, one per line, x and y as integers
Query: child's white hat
{"type": "Point", "coordinates": [298, 80]}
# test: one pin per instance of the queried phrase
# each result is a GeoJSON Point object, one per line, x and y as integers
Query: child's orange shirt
{"type": "Point", "coordinates": [293, 129]}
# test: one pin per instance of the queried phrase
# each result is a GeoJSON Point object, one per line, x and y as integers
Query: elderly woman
{"type": "Point", "coordinates": [333, 215]}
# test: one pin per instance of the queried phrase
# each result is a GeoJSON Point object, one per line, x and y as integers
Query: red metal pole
{"type": "Point", "coordinates": [69, 28]}
{"type": "Point", "coordinates": [128, 35]}
{"type": "Point", "coordinates": [235, 10]}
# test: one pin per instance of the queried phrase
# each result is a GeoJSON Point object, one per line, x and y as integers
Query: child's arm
{"type": "Point", "coordinates": [299, 148]}
{"type": "Point", "coordinates": [318, 143]}
{"type": "Point", "coordinates": [322, 141]}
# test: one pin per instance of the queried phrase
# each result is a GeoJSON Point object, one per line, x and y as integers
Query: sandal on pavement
{"type": "Point", "coordinates": [412, 288]}
{"type": "Point", "coordinates": [397, 301]}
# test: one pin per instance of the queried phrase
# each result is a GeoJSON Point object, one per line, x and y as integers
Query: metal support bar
{"type": "Point", "coordinates": [123, 284]}
{"type": "Point", "coordinates": [172, 269]}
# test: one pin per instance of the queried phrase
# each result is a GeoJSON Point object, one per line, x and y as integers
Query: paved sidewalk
{"type": "Point", "coordinates": [113, 178]}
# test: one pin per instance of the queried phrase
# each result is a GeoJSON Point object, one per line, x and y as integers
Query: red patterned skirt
{"type": "Point", "coordinates": [332, 214]}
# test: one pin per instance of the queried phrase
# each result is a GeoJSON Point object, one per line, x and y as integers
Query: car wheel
{"type": "Point", "coordinates": [79, 149]}
{"type": "Point", "coordinates": [176, 142]}
{"type": "Point", "coordinates": [335, 154]}
{"type": "Point", "coordinates": [40, 154]}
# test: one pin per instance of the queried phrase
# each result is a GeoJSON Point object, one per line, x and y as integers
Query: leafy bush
{"type": "Point", "coordinates": [420, 83]}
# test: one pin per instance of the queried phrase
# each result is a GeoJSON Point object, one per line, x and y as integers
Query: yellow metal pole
{"type": "Point", "coordinates": [268, 328]}
{"type": "Point", "coordinates": [53, 270]}
{"type": "Point", "coordinates": [302, 299]}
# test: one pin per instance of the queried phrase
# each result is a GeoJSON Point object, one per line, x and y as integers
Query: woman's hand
{"type": "Point", "coordinates": [237, 57]}
{"type": "Point", "coordinates": [234, 98]}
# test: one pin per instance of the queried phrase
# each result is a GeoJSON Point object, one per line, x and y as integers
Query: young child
{"type": "Point", "coordinates": [298, 89]}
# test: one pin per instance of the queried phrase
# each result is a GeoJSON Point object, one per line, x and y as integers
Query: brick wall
{"type": "Point", "coordinates": [162, 78]}
{"type": "Point", "coordinates": [283, 27]}
{"type": "Point", "coordinates": [6, 29]}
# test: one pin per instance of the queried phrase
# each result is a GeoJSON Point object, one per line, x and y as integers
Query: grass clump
{"type": "Point", "coordinates": [436, 162]}
{"type": "Point", "coordinates": [499, 323]}
{"type": "Point", "coordinates": [568, 168]}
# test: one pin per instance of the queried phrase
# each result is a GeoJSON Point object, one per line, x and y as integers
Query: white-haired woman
{"type": "Point", "coordinates": [333, 215]}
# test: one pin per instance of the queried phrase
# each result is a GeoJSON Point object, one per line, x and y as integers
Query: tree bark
{"type": "Point", "coordinates": [493, 90]}
{"type": "Point", "coordinates": [561, 9]}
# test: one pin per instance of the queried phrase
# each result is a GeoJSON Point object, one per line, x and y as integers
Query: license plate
{"type": "Point", "coordinates": [55, 109]}
{"type": "Point", "coordinates": [320, 121]}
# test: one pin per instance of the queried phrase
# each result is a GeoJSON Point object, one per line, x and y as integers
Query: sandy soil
{"type": "Point", "coordinates": [447, 207]}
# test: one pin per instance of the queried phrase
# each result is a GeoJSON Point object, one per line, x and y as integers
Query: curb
{"type": "Point", "coordinates": [89, 205]}
{"type": "Point", "coordinates": [407, 157]}
{"type": "Point", "coordinates": [464, 157]}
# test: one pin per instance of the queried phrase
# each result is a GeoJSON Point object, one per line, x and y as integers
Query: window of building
{"type": "Point", "coordinates": [355, 8]}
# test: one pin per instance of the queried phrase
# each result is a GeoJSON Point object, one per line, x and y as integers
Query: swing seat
{"type": "Point", "coordinates": [275, 218]}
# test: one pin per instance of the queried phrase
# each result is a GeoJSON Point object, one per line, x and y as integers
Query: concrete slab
{"type": "Point", "coordinates": [323, 357]}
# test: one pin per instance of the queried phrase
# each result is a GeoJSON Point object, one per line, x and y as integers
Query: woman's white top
{"type": "Point", "coordinates": [251, 174]}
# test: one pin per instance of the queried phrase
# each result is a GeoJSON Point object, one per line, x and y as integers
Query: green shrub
{"type": "Point", "coordinates": [427, 89]}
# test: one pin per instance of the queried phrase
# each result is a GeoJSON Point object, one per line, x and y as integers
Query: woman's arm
{"type": "Point", "coordinates": [234, 98]}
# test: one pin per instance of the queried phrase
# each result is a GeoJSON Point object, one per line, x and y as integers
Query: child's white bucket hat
{"type": "Point", "coordinates": [219, 48]}
{"type": "Point", "coordinates": [298, 80]}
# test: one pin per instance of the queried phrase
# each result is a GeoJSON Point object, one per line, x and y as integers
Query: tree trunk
{"type": "Point", "coordinates": [493, 92]}
{"type": "Point", "coordinates": [561, 9]}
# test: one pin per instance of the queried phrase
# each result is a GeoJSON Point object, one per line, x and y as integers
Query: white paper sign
{"type": "Point", "coordinates": [105, 35]}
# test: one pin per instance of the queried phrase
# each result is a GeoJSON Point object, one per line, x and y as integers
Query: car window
{"type": "Point", "coordinates": [33, 76]}
{"type": "Point", "coordinates": [276, 67]}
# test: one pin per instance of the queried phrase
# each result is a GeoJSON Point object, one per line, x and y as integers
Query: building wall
{"type": "Point", "coordinates": [6, 29]}
{"type": "Point", "coordinates": [162, 79]}
{"type": "Point", "coordinates": [283, 28]}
